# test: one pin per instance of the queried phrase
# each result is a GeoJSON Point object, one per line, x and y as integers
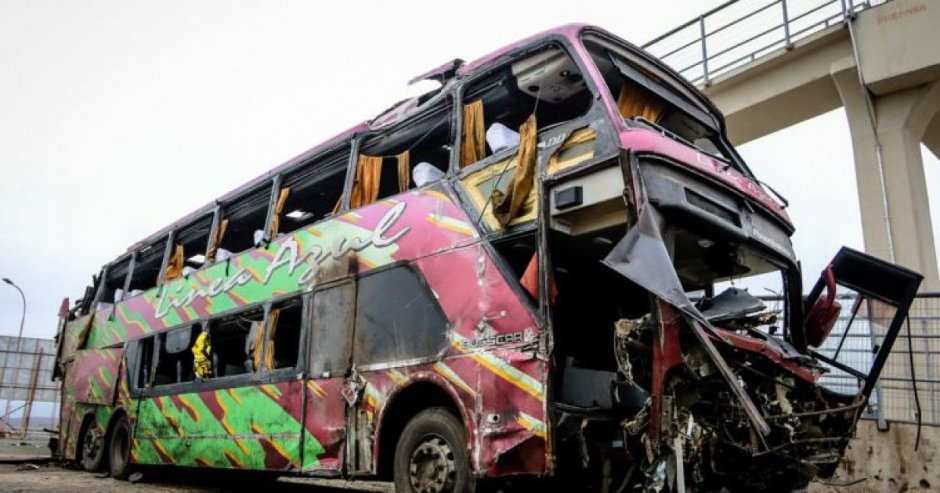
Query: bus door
{"type": "Point", "coordinates": [331, 313]}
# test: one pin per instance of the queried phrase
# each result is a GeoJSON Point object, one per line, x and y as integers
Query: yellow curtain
{"type": "Point", "coordinates": [507, 206]}
{"type": "Point", "coordinates": [637, 101]}
{"type": "Point", "coordinates": [278, 209]}
{"type": "Point", "coordinates": [174, 267]}
{"type": "Point", "coordinates": [473, 143]}
{"type": "Point", "coordinates": [404, 171]}
{"type": "Point", "coordinates": [272, 330]}
{"type": "Point", "coordinates": [202, 348]}
{"type": "Point", "coordinates": [365, 189]}
{"type": "Point", "coordinates": [257, 332]}
{"type": "Point", "coordinates": [216, 241]}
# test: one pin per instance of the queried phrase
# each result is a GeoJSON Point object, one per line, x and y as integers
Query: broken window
{"type": "Point", "coordinates": [193, 240]}
{"type": "Point", "coordinates": [147, 264]}
{"type": "Point", "coordinates": [175, 357]}
{"type": "Point", "coordinates": [314, 190]}
{"type": "Point", "coordinates": [413, 153]}
{"type": "Point", "coordinates": [643, 96]}
{"type": "Point", "coordinates": [332, 318]}
{"type": "Point", "coordinates": [244, 218]}
{"type": "Point", "coordinates": [284, 325]}
{"type": "Point", "coordinates": [546, 83]}
{"type": "Point", "coordinates": [397, 318]}
{"type": "Point", "coordinates": [144, 362]}
{"type": "Point", "coordinates": [236, 343]}
{"type": "Point", "coordinates": [112, 288]}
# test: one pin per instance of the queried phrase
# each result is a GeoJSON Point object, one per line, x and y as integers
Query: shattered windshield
{"type": "Point", "coordinates": [646, 97]}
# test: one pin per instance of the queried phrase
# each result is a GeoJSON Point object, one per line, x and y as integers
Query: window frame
{"type": "Point", "coordinates": [449, 105]}
{"type": "Point", "coordinates": [460, 92]}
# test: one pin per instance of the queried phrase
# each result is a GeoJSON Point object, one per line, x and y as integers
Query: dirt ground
{"type": "Point", "coordinates": [25, 467]}
{"type": "Point", "coordinates": [876, 462]}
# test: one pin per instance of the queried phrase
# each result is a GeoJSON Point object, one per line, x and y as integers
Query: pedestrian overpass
{"type": "Point", "coordinates": [770, 64]}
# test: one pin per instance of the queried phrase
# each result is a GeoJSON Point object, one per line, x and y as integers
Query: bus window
{"type": "Point", "coordinates": [412, 154]}
{"type": "Point", "coordinates": [244, 219]}
{"type": "Point", "coordinates": [284, 324]}
{"type": "Point", "coordinates": [397, 319]}
{"type": "Point", "coordinates": [147, 266]}
{"type": "Point", "coordinates": [313, 191]}
{"type": "Point", "coordinates": [111, 289]}
{"type": "Point", "coordinates": [175, 360]}
{"type": "Point", "coordinates": [332, 316]}
{"type": "Point", "coordinates": [546, 83]}
{"type": "Point", "coordinates": [642, 97]}
{"type": "Point", "coordinates": [189, 248]}
{"type": "Point", "coordinates": [144, 362]}
{"type": "Point", "coordinates": [234, 341]}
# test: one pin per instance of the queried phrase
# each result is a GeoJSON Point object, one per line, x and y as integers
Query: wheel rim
{"type": "Point", "coordinates": [431, 468]}
{"type": "Point", "coordinates": [91, 446]}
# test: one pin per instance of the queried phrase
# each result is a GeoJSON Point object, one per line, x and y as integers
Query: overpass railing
{"type": "Point", "coordinates": [741, 31]}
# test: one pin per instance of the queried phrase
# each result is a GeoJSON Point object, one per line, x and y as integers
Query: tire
{"type": "Point", "coordinates": [119, 449]}
{"type": "Point", "coordinates": [431, 455]}
{"type": "Point", "coordinates": [92, 448]}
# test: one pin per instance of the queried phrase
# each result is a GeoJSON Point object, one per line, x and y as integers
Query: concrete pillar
{"type": "Point", "coordinates": [902, 119]}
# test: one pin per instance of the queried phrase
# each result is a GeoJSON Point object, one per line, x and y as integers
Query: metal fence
{"type": "Point", "coordinates": [893, 398]}
{"type": "Point", "coordinates": [741, 31]}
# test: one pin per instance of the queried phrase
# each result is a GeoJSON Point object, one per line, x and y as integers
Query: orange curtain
{"type": "Point", "coordinates": [404, 171]}
{"type": "Point", "coordinates": [637, 101]}
{"type": "Point", "coordinates": [365, 189]}
{"type": "Point", "coordinates": [473, 143]}
{"type": "Point", "coordinates": [278, 209]}
{"type": "Point", "coordinates": [174, 268]}
{"type": "Point", "coordinates": [507, 206]}
{"type": "Point", "coordinates": [216, 241]}
{"type": "Point", "coordinates": [272, 330]}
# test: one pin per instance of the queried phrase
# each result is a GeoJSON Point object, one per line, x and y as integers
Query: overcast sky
{"type": "Point", "coordinates": [118, 117]}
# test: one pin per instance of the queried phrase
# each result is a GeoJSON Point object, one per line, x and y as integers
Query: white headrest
{"type": "Point", "coordinates": [500, 137]}
{"type": "Point", "coordinates": [425, 173]}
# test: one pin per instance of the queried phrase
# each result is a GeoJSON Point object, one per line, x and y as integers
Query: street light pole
{"type": "Point", "coordinates": [6, 355]}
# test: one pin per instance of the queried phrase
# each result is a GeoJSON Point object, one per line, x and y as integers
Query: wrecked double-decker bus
{"type": "Point", "coordinates": [534, 271]}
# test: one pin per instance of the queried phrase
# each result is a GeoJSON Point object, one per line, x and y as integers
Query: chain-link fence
{"type": "Point", "coordinates": [741, 31]}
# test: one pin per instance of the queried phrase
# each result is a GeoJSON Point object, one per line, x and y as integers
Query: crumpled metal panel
{"type": "Point", "coordinates": [93, 375]}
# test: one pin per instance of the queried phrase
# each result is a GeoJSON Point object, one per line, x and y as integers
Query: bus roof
{"type": "Point", "coordinates": [390, 116]}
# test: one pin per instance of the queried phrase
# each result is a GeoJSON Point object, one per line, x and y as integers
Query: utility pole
{"type": "Point", "coordinates": [6, 355]}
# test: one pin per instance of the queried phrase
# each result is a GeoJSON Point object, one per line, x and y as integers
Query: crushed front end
{"type": "Point", "coordinates": [685, 356]}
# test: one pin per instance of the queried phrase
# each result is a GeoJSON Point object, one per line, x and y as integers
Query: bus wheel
{"type": "Point", "coordinates": [120, 449]}
{"type": "Point", "coordinates": [431, 455]}
{"type": "Point", "coordinates": [92, 449]}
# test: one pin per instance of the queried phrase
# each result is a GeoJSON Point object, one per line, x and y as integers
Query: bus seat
{"type": "Point", "coordinates": [500, 137]}
{"type": "Point", "coordinates": [221, 255]}
{"type": "Point", "coordinates": [425, 173]}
